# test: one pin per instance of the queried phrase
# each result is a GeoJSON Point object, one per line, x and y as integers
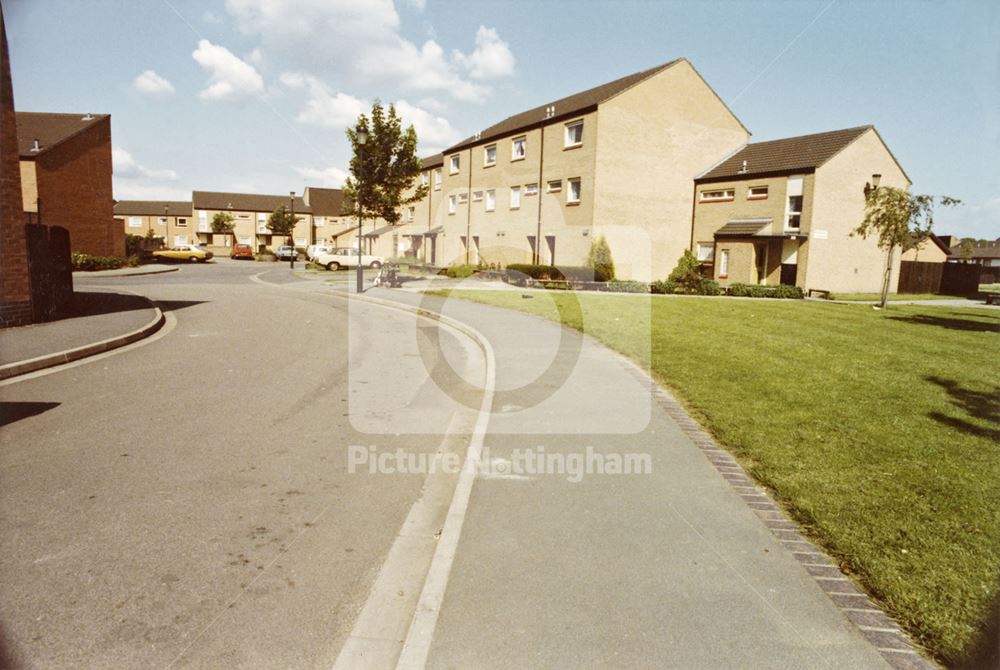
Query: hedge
{"type": "Point", "coordinates": [560, 272]}
{"type": "Point", "coordinates": [88, 263]}
{"type": "Point", "coordinates": [757, 291]}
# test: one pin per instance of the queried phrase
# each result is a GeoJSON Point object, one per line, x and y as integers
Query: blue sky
{"type": "Point", "coordinates": [254, 95]}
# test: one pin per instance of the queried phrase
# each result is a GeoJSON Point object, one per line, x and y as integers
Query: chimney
{"type": "Point", "coordinates": [743, 170]}
{"type": "Point", "coordinates": [87, 117]}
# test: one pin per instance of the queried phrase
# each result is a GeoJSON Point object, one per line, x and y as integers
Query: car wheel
{"type": "Point", "coordinates": [375, 265]}
{"type": "Point", "coordinates": [333, 266]}
{"type": "Point", "coordinates": [194, 259]}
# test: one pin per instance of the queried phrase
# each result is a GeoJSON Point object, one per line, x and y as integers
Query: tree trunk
{"type": "Point", "coordinates": [887, 280]}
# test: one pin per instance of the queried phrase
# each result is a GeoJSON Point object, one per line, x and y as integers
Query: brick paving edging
{"type": "Point", "coordinates": [880, 630]}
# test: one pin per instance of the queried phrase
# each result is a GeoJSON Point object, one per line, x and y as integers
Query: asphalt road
{"type": "Point", "coordinates": [186, 503]}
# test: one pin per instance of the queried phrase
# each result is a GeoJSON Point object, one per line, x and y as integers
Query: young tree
{"type": "Point", "coordinates": [967, 249]}
{"type": "Point", "coordinates": [223, 224]}
{"type": "Point", "coordinates": [384, 167]}
{"type": "Point", "coordinates": [896, 217]}
{"type": "Point", "coordinates": [687, 273]}
{"type": "Point", "coordinates": [282, 222]}
{"type": "Point", "coordinates": [599, 259]}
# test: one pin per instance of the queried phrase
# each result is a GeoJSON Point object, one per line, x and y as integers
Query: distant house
{"type": "Point", "coordinates": [782, 212]}
{"type": "Point", "coordinates": [931, 249]}
{"type": "Point", "coordinates": [169, 219]}
{"type": "Point", "coordinates": [986, 254]}
{"type": "Point", "coordinates": [318, 210]}
{"type": "Point", "coordinates": [65, 162]}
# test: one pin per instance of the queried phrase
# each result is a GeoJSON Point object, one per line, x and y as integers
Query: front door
{"type": "Point", "coordinates": [760, 262]}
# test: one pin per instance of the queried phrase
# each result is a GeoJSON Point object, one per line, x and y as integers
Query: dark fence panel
{"type": "Point", "coordinates": [919, 277]}
{"type": "Point", "coordinates": [960, 278]}
{"type": "Point", "coordinates": [51, 269]}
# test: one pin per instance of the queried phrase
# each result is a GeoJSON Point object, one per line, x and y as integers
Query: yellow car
{"type": "Point", "coordinates": [183, 252]}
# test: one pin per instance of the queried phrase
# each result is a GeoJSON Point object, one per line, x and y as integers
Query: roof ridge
{"type": "Point", "coordinates": [802, 137]}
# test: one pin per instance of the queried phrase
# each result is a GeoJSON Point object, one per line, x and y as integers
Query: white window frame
{"type": "Point", "coordinates": [515, 197]}
{"type": "Point", "coordinates": [410, 213]}
{"type": "Point", "coordinates": [181, 222]}
{"type": "Point", "coordinates": [262, 224]}
{"type": "Point", "coordinates": [568, 141]}
{"type": "Point", "coordinates": [477, 196]}
{"type": "Point", "coordinates": [487, 161]}
{"type": "Point", "coordinates": [724, 263]}
{"type": "Point", "coordinates": [523, 143]}
{"type": "Point", "coordinates": [706, 251]}
{"type": "Point", "coordinates": [437, 179]}
{"type": "Point", "coordinates": [452, 204]}
{"type": "Point", "coordinates": [455, 164]}
{"type": "Point", "coordinates": [553, 186]}
{"type": "Point", "coordinates": [424, 179]}
{"type": "Point", "coordinates": [530, 189]}
{"type": "Point", "coordinates": [135, 222]}
{"type": "Point", "coordinates": [202, 216]}
{"type": "Point", "coordinates": [161, 220]}
{"type": "Point", "coordinates": [759, 196]}
{"type": "Point", "coordinates": [727, 194]}
{"type": "Point", "coordinates": [573, 184]}
{"type": "Point", "coordinates": [794, 188]}
{"type": "Point", "coordinates": [463, 198]}
{"type": "Point", "coordinates": [491, 200]}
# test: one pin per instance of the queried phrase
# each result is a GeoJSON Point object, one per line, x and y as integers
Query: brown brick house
{"type": "Point", "coordinates": [66, 177]}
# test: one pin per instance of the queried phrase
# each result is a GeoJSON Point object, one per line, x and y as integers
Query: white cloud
{"type": "Point", "coordinates": [126, 189]}
{"type": "Point", "coordinates": [433, 104]}
{"type": "Point", "coordinates": [330, 177]}
{"type": "Point", "coordinates": [323, 107]}
{"type": "Point", "coordinates": [434, 133]}
{"type": "Point", "coordinates": [151, 84]}
{"type": "Point", "coordinates": [492, 58]}
{"type": "Point", "coordinates": [365, 36]}
{"type": "Point", "coordinates": [126, 167]}
{"type": "Point", "coordinates": [980, 220]}
{"type": "Point", "coordinates": [229, 77]}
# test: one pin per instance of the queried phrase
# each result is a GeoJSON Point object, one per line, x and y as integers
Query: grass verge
{"type": "Point", "coordinates": [893, 296]}
{"type": "Point", "coordinates": [879, 431]}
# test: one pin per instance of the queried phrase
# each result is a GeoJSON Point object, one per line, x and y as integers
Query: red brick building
{"type": "Point", "coordinates": [15, 281]}
{"type": "Point", "coordinates": [65, 172]}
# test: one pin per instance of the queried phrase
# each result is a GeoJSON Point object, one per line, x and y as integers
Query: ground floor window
{"type": "Point", "coordinates": [706, 250]}
{"type": "Point", "coordinates": [724, 263]}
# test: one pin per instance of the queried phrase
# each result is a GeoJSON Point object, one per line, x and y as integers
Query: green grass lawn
{"type": "Point", "coordinates": [878, 430]}
{"type": "Point", "coordinates": [893, 296]}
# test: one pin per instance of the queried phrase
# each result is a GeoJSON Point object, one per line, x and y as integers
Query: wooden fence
{"type": "Point", "coordinates": [947, 278]}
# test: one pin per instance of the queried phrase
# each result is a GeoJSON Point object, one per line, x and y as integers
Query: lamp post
{"type": "Point", "coordinates": [291, 237]}
{"type": "Point", "coordinates": [166, 229]}
{"type": "Point", "coordinates": [361, 136]}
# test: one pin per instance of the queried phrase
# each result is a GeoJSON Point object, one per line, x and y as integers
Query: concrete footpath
{"type": "Point", "coordinates": [100, 320]}
{"type": "Point", "coordinates": [685, 565]}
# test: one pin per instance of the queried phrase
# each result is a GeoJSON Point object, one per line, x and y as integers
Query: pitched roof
{"type": "Point", "coordinates": [792, 154]}
{"type": "Point", "coordinates": [324, 201]}
{"type": "Point", "coordinates": [153, 207]}
{"type": "Point", "coordinates": [245, 202]}
{"type": "Point", "coordinates": [437, 160]}
{"type": "Point", "coordinates": [50, 129]}
{"type": "Point", "coordinates": [564, 107]}
{"type": "Point", "coordinates": [989, 250]}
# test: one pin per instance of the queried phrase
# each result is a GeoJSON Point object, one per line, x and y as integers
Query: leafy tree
{"type": "Point", "coordinates": [282, 222]}
{"type": "Point", "coordinates": [966, 250]}
{"type": "Point", "coordinates": [896, 217]}
{"type": "Point", "coordinates": [384, 167]}
{"type": "Point", "coordinates": [223, 224]}
{"type": "Point", "coordinates": [599, 259]}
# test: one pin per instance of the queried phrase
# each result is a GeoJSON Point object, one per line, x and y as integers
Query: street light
{"type": "Point", "coordinates": [291, 238]}
{"type": "Point", "coordinates": [361, 137]}
{"type": "Point", "coordinates": [166, 229]}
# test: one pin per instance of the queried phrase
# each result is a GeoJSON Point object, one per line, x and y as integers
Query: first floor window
{"type": "Point", "coordinates": [163, 220]}
{"type": "Point", "coordinates": [757, 193]}
{"type": "Point", "coordinates": [574, 134]}
{"type": "Point", "coordinates": [554, 186]}
{"type": "Point", "coordinates": [135, 222]}
{"type": "Point", "coordinates": [463, 198]}
{"type": "Point", "coordinates": [724, 263]}
{"type": "Point", "coordinates": [182, 222]}
{"type": "Point", "coordinates": [477, 196]}
{"type": "Point", "coordinates": [515, 197]}
{"type": "Point", "coordinates": [490, 155]}
{"type": "Point", "coordinates": [491, 200]}
{"type": "Point", "coordinates": [794, 211]}
{"type": "Point", "coordinates": [715, 196]}
{"type": "Point", "coordinates": [452, 202]}
{"type": "Point", "coordinates": [409, 213]}
{"type": "Point", "coordinates": [573, 192]}
{"type": "Point", "coordinates": [423, 179]}
{"type": "Point", "coordinates": [456, 164]}
{"type": "Point", "coordinates": [706, 250]}
{"type": "Point", "coordinates": [437, 179]}
{"type": "Point", "coordinates": [262, 223]}
{"type": "Point", "coordinates": [518, 148]}
{"type": "Point", "coordinates": [531, 189]}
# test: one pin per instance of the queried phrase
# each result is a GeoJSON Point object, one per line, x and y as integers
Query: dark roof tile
{"type": "Point", "coordinates": [245, 202]}
{"type": "Point", "coordinates": [50, 129]}
{"type": "Point", "coordinates": [153, 207]}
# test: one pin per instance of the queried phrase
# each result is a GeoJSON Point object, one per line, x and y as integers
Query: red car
{"type": "Point", "coordinates": [242, 251]}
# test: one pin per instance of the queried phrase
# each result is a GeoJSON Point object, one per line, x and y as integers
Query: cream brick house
{"type": "Point", "coordinates": [617, 159]}
{"type": "Point", "coordinates": [169, 219]}
{"type": "Point", "coordinates": [781, 212]}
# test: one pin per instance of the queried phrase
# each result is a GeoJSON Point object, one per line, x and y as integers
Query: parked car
{"type": "Point", "coordinates": [285, 253]}
{"type": "Point", "coordinates": [347, 258]}
{"type": "Point", "coordinates": [241, 251]}
{"type": "Point", "coordinates": [314, 250]}
{"type": "Point", "coordinates": [183, 252]}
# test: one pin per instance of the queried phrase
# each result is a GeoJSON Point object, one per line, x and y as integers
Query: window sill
{"type": "Point", "coordinates": [567, 147]}
{"type": "Point", "coordinates": [514, 209]}
{"type": "Point", "coordinates": [756, 197]}
{"type": "Point", "coordinates": [709, 202]}
{"type": "Point", "coordinates": [489, 165]}
{"type": "Point", "coordinates": [519, 158]}
{"type": "Point", "coordinates": [723, 276]}
{"type": "Point", "coordinates": [573, 203]}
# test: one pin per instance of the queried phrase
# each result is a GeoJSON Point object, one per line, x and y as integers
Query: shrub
{"type": "Point", "coordinates": [599, 259]}
{"type": "Point", "coordinates": [785, 291]}
{"type": "Point", "coordinates": [88, 263]}
{"type": "Point", "coordinates": [686, 276]}
{"type": "Point", "coordinates": [663, 287]}
{"type": "Point", "coordinates": [460, 271]}
{"type": "Point", "coordinates": [757, 291]}
{"type": "Point", "coordinates": [627, 286]}
{"type": "Point", "coordinates": [710, 287]}
{"type": "Point", "coordinates": [567, 272]}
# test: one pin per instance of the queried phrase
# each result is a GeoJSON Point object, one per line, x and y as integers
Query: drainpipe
{"type": "Point", "coordinates": [468, 213]}
{"type": "Point", "coordinates": [538, 224]}
{"type": "Point", "coordinates": [430, 208]}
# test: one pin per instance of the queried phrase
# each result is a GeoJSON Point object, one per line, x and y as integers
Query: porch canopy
{"type": "Point", "coordinates": [379, 231]}
{"type": "Point", "coordinates": [427, 233]}
{"type": "Point", "coordinates": [752, 227]}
